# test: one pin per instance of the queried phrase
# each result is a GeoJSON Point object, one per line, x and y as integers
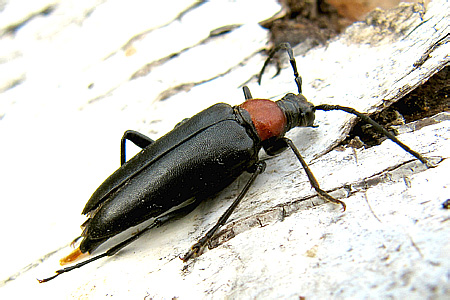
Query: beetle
{"type": "Point", "coordinates": [198, 158]}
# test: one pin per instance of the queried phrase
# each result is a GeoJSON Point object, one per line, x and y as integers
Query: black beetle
{"type": "Point", "coordinates": [198, 158]}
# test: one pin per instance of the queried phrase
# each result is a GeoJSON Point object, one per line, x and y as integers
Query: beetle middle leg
{"type": "Point", "coordinates": [137, 138]}
{"type": "Point", "coordinates": [197, 248]}
{"type": "Point", "coordinates": [279, 145]}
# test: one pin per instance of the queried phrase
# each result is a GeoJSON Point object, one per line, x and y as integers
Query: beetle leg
{"type": "Point", "coordinates": [247, 93]}
{"type": "Point", "coordinates": [311, 177]}
{"type": "Point", "coordinates": [137, 138]}
{"type": "Point", "coordinates": [274, 146]}
{"type": "Point", "coordinates": [158, 222]}
{"type": "Point", "coordinates": [72, 244]}
{"type": "Point", "coordinates": [181, 122]}
{"type": "Point", "coordinates": [197, 248]}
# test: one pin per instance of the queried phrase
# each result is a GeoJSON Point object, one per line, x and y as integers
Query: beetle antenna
{"type": "Point", "coordinates": [288, 48]}
{"type": "Point", "coordinates": [381, 129]}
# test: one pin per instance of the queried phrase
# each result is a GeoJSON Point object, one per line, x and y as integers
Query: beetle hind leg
{"type": "Point", "coordinates": [76, 254]}
{"type": "Point", "coordinates": [74, 242]}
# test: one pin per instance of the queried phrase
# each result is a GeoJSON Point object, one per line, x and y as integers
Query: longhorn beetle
{"type": "Point", "coordinates": [198, 158]}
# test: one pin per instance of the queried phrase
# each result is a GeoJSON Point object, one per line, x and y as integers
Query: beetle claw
{"type": "Point", "coordinates": [74, 242]}
{"type": "Point", "coordinates": [47, 279]}
{"type": "Point", "coordinates": [195, 251]}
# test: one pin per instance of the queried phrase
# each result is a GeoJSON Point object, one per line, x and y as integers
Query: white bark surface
{"type": "Point", "coordinates": [76, 74]}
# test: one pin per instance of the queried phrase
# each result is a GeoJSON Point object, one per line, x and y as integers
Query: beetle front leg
{"type": "Point", "coordinates": [197, 248]}
{"type": "Point", "coordinates": [137, 138]}
{"type": "Point", "coordinates": [310, 175]}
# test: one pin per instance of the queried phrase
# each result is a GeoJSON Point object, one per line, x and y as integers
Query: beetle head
{"type": "Point", "coordinates": [298, 111]}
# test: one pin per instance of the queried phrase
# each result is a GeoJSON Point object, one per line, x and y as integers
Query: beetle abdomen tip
{"type": "Point", "coordinates": [73, 256]}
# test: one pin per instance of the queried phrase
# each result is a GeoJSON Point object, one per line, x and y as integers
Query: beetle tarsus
{"type": "Point", "coordinates": [195, 251]}
{"type": "Point", "coordinates": [311, 178]}
{"type": "Point", "coordinates": [47, 279]}
{"type": "Point", "coordinates": [328, 197]}
{"type": "Point", "coordinates": [78, 265]}
{"type": "Point", "coordinates": [156, 223]}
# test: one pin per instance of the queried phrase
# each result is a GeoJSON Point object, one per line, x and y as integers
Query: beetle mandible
{"type": "Point", "coordinates": [198, 158]}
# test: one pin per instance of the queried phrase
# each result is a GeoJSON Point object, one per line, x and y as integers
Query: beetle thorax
{"type": "Point", "coordinates": [268, 119]}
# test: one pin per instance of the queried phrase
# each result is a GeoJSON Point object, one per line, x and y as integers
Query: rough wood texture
{"type": "Point", "coordinates": [75, 75]}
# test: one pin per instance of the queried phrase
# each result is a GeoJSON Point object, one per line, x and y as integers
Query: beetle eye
{"type": "Point", "coordinates": [309, 118]}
